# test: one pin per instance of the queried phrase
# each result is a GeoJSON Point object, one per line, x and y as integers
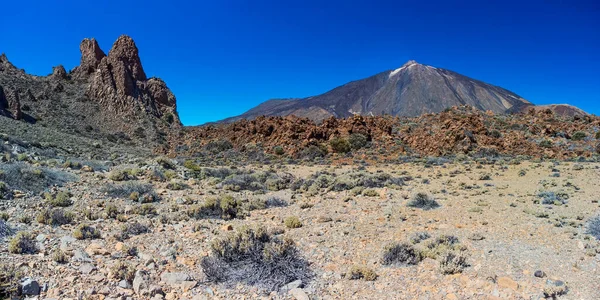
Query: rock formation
{"type": "Point", "coordinates": [105, 96]}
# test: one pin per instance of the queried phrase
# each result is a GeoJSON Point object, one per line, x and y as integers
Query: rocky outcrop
{"type": "Point", "coordinates": [120, 83]}
{"type": "Point", "coordinates": [59, 72]}
{"type": "Point", "coordinates": [10, 106]}
{"type": "Point", "coordinates": [106, 97]}
{"type": "Point", "coordinates": [458, 130]}
{"type": "Point", "coordinates": [91, 55]}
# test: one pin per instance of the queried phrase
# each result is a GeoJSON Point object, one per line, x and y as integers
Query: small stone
{"type": "Point", "coordinates": [80, 256]}
{"type": "Point", "coordinates": [175, 278]}
{"type": "Point", "coordinates": [140, 281]}
{"type": "Point", "coordinates": [119, 246]}
{"type": "Point", "coordinates": [299, 294]}
{"type": "Point", "coordinates": [292, 285]}
{"type": "Point", "coordinates": [30, 287]}
{"type": "Point", "coordinates": [227, 227]}
{"type": "Point", "coordinates": [86, 268]}
{"type": "Point", "coordinates": [539, 274]}
{"type": "Point", "coordinates": [124, 284]}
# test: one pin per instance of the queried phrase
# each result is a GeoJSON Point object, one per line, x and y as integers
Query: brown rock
{"type": "Point", "coordinates": [10, 105]}
{"type": "Point", "coordinates": [59, 72]}
{"type": "Point", "coordinates": [91, 55]}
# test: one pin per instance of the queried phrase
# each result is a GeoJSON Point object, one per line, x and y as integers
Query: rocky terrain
{"type": "Point", "coordinates": [105, 195]}
{"type": "Point", "coordinates": [456, 131]}
{"type": "Point", "coordinates": [434, 228]}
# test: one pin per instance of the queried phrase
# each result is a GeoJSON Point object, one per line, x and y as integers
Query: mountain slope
{"type": "Point", "coordinates": [410, 90]}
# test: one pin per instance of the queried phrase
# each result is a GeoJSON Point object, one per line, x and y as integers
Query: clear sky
{"type": "Point", "coordinates": [223, 57]}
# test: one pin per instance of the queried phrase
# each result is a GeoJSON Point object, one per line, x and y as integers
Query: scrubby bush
{"type": "Point", "coordinates": [125, 190]}
{"type": "Point", "coordinates": [340, 145]}
{"type": "Point", "coordinates": [218, 146]}
{"type": "Point", "coordinates": [546, 144]}
{"type": "Point", "coordinates": [120, 175]}
{"type": "Point", "coordinates": [111, 211]}
{"type": "Point", "coordinates": [361, 272]}
{"type": "Point", "coordinates": [55, 217]}
{"type": "Point", "coordinates": [21, 176]}
{"type": "Point", "coordinates": [22, 243]}
{"type": "Point", "coordinates": [423, 201]}
{"type": "Point", "coordinates": [253, 257]}
{"type": "Point", "coordinates": [579, 136]}
{"type": "Point", "coordinates": [175, 186]}
{"type": "Point", "coordinates": [357, 141]}
{"type": "Point", "coordinates": [400, 254]}
{"type": "Point", "coordinates": [61, 199]}
{"type": "Point", "coordinates": [593, 227]}
{"type": "Point", "coordinates": [9, 281]}
{"type": "Point", "coordinates": [312, 152]}
{"type": "Point", "coordinates": [370, 193]}
{"type": "Point", "coordinates": [122, 271]}
{"type": "Point", "coordinates": [292, 222]}
{"type": "Point", "coordinates": [5, 230]}
{"type": "Point", "coordinates": [165, 163]}
{"type": "Point", "coordinates": [553, 198]}
{"type": "Point", "coordinates": [60, 256]}
{"type": "Point", "coordinates": [145, 210]}
{"type": "Point", "coordinates": [418, 237]}
{"type": "Point", "coordinates": [131, 229]}
{"type": "Point", "coordinates": [192, 166]}
{"type": "Point", "coordinates": [278, 150]}
{"type": "Point", "coordinates": [452, 262]}
{"type": "Point", "coordinates": [85, 232]}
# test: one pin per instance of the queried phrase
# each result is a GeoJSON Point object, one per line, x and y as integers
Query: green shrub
{"type": "Point", "coordinates": [60, 257]}
{"type": "Point", "coordinates": [292, 222]}
{"type": "Point", "coordinates": [85, 232]}
{"type": "Point", "coordinates": [579, 136]}
{"type": "Point", "coordinates": [357, 141]}
{"type": "Point", "coordinates": [165, 163]}
{"type": "Point", "coordinates": [61, 199]}
{"type": "Point", "coordinates": [340, 145]}
{"type": "Point", "coordinates": [190, 164]}
{"type": "Point", "coordinates": [370, 193]}
{"type": "Point", "coordinates": [55, 217]}
{"type": "Point", "coordinates": [423, 201]}
{"type": "Point", "coordinates": [146, 209]}
{"type": "Point", "coordinates": [122, 271]}
{"type": "Point", "coordinates": [120, 175]}
{"type": "Point", "coordinates": [4, 216]}
{"type": "Point", "coordinates": [546, 144]}
{"type": "Point", "coordinates": [361, 272]}
{"type": "Point", "coordinates": [22, 243]}
{"type": "Point", "coordinates": [278, 150]}
{"type": "Point", "coordinates": [111, 211]}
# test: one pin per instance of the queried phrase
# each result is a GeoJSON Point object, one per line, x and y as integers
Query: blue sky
{"type": "Point", "coordinates": [223, 57]}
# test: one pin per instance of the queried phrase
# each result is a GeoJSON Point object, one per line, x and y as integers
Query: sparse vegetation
{"type": "Point", "coordinates": [253, 257]}
{"type": "Point", "coordinates": [400, 254]}
{"type": "Point", "coordinates": [593, 227]}
{"type": "Point", "coordinates": [55, 217]}
{"type": "Point", "coordinates": [579, 136]}
{"type": "Point", "coordinates": [361, 272]}
{"type": "Point", "coordinates": [122, 271]}
{"type": "Point", "coordinates": [423, 201]}
{"type": "Point", "coordinates": [85, 232]}
{"type": "Point", "coordinates": [22, 243]}
{"type": "Point", "coordinates": [340, 145]}
{"type": "Point", "coordinates": [292, 222]}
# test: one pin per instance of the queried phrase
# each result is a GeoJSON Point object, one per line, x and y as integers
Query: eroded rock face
{"type": "Point", "coordinates": [9, 103]}
{"type": "Point", "coordinates": [120, 84]}
{"type": "Point", "coordinates": [59, 72]}
{"type": "Point", "coordinates": [91, 55]}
